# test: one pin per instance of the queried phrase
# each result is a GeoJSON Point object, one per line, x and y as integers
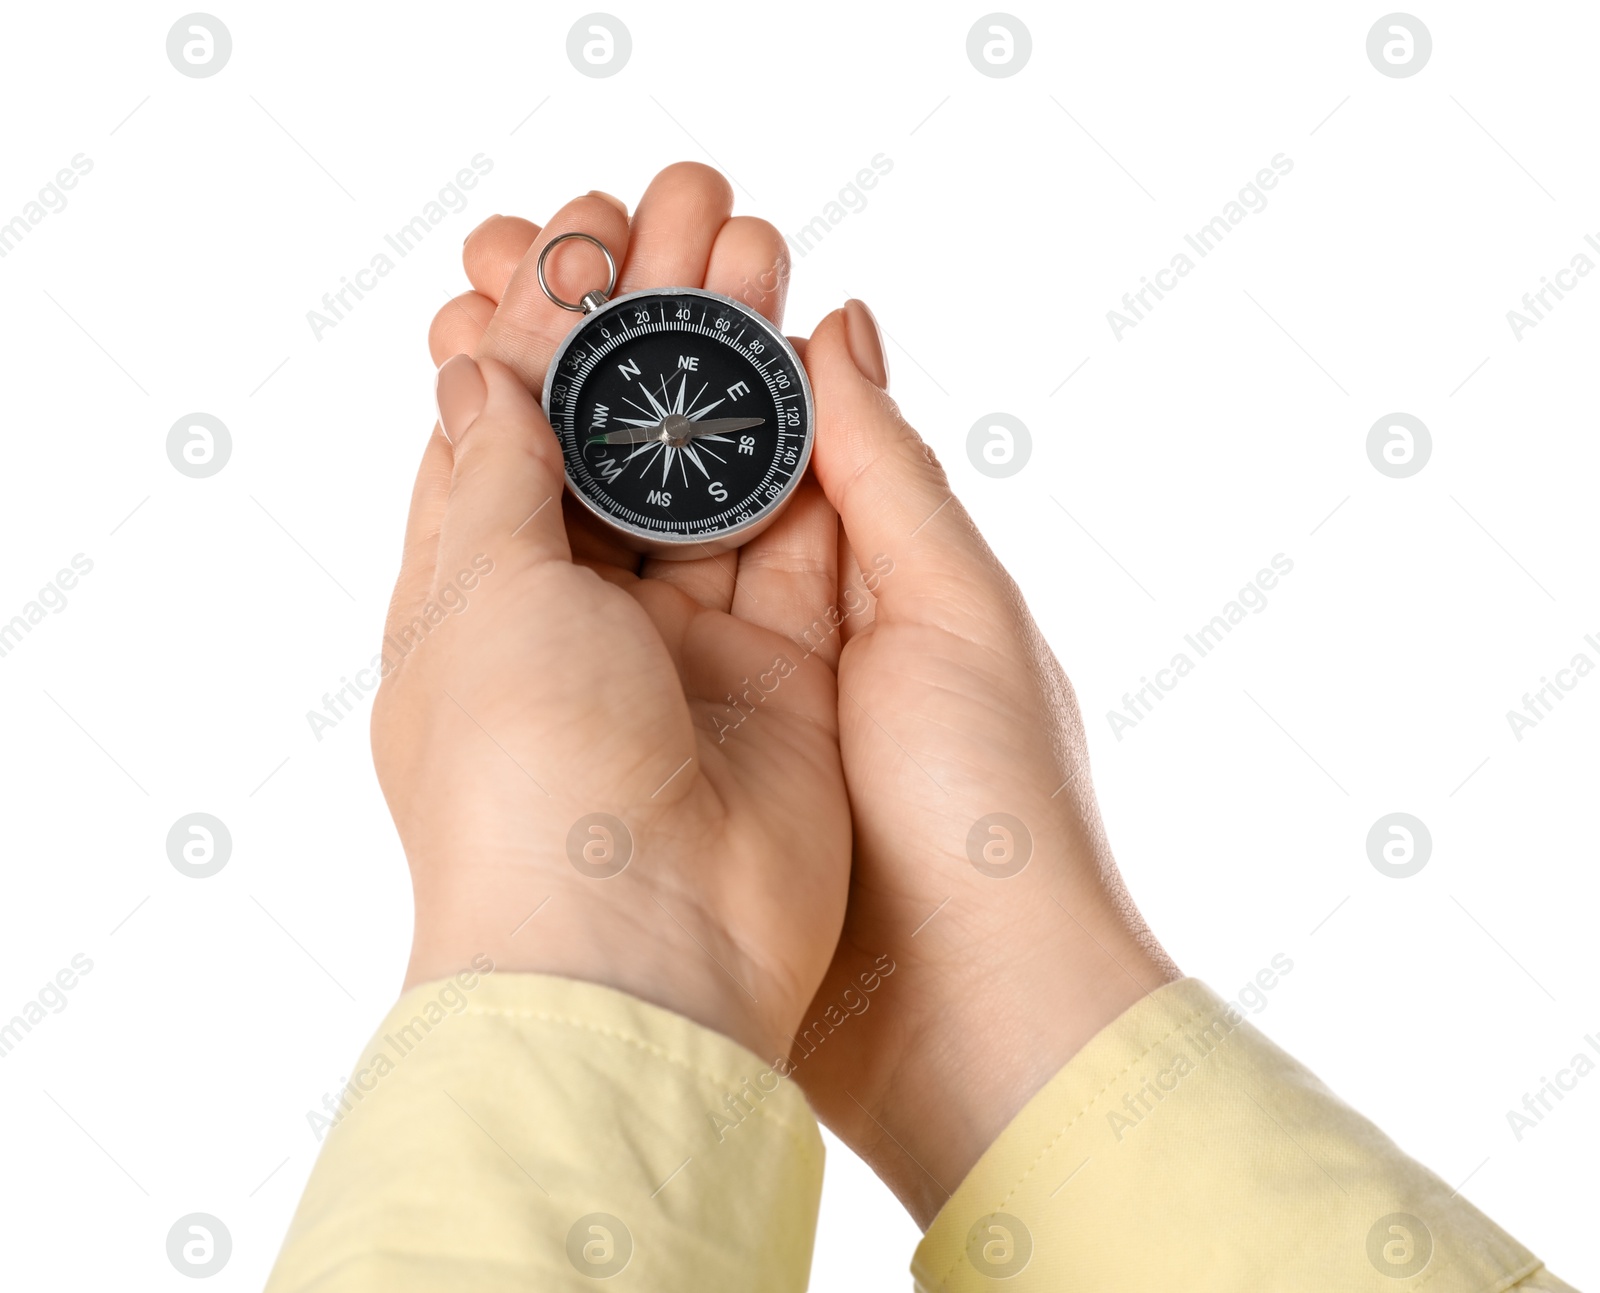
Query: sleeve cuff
{"type": "Point", "coordinates": [516, 1131]}
{"type": "Point", "coordinates": [1182, 1149]}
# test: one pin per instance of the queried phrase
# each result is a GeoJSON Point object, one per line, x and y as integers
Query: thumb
{"type": "Point", "coordinates": [507, 477]}
{"type": "Point", "coordinates": [885, 482]}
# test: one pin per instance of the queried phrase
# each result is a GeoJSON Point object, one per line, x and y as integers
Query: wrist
{"type": "Point", "coordinates": [961, 1076]}
{"type": "Point", "coordinates": [567, 930]}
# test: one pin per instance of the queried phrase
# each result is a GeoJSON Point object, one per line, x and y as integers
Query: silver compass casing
{"type": "Point", "coordinates": [688, 548]}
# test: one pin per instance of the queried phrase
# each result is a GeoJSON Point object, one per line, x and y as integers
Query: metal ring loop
{"type": "Point", "coordinates": [550, 246]}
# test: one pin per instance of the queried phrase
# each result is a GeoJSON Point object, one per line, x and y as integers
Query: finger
{"type": "Point", "coordinates": [887, 486]}
{"type": "Point", "coordinates": [505, 489]}
{"type": "Point", "coordinates": [459, 326]}
{"type": "Point", "coordinates": [429, 495]}
{"type": "Point", "coordinates": [708, 580]}
{"type": "Point", "coordinates": [788, 575]}
{"type": "Point", "coordinates": [675, 228]}
{"type": "Point", "coordinates": [750, 262]}
{"type": "Point", "coordinates": [615, 201]}
{"type": "Point", "coordinates": [493, 251]}
{"type": "Point", "coordinates": [855, 590]}
{"type": "Point", "coordinates": [528, 326]}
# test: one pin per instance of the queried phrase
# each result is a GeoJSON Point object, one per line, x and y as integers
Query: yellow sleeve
{"type": "Point", "coordinates": [1182, 1150]}
{"type": "Point", "coordinates": [519, 1131]}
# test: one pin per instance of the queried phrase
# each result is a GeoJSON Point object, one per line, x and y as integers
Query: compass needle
{"type": "Point", "coordinates": [723, 426]}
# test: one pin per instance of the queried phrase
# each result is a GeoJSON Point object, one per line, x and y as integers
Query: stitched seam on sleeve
{"type": "Point", "coordinates": [1502, 1285]}
{"type": "Point", "coordinates": [1532, 1267]}
{"type": "Point", "coordinates": [650, 1048]}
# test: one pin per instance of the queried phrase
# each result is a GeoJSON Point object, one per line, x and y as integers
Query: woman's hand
{"type": "Point", "coordinates": [547, 734]}
{"type": "Point", "coordinates": [981, 866]}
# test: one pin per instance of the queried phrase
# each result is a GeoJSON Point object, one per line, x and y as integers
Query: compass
{"type": "Point", "coordinates": [685, 418]}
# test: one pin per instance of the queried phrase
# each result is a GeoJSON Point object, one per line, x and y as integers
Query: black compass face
{"type": "Point", "coordinates": [683, 416]}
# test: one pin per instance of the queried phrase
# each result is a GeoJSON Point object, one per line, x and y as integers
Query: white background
{"type": "Point", "coordinates": [1226, 427]}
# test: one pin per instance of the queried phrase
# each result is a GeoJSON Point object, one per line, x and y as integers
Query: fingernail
{"type": "Point", "coordinates": [478, 226]}
{"type": "Point", "coordinates": [461, 394]}
{"type": "Point", "coordinates": [616, 202]}
{"type": "Point", "coordinates": [866, 343]}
